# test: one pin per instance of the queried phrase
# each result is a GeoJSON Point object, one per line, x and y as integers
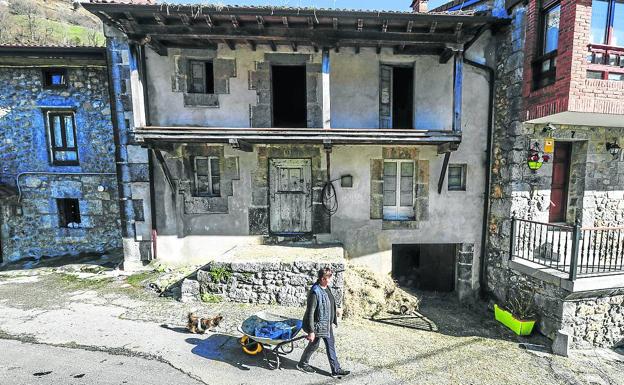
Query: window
{"type": "Point", "coordinates": [544, 68]}
{"type": "Point", "coordinates": [62, 135]}
{"type": "Point", "coordinates": [54, 78]}
{"type": "Point", "coordinates": [607, 22]}
{"type": "Point", "coordinates": [69, 212]}
{"type": "Point", "coordinates": [201, 77]}
{"type": "Point", "coordinates": [398, 190]}
{"type": "Point", "coordinates": [457, 177]}
{"type": "Point", "coordinates": [207, 176]}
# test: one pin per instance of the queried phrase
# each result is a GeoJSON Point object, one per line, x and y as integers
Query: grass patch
{"type": "Point", "coordinates": [220, 274]}
{"type": "Point", "coordinates": [74, 281]}
{"type": "Point", "coordinates": [211, 298]}
{"type": "Point", "coordinates": [138, 280]}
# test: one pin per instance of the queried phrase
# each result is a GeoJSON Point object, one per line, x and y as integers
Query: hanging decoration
{"type": "Point", "coordinates": [536, 157]}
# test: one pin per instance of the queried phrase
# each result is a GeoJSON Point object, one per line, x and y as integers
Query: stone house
{"type": "Point", "coordinates": [263, 125]}
{"type": "Point", "coordinates": [58, 189]}
{"type": "Point", "coordinates": [557, 166]}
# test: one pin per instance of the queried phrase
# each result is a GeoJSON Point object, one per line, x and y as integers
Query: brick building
{"type": "Point", "coordinates": [557, 180]}
{"type": "Point", "coordinates": [58, 189]}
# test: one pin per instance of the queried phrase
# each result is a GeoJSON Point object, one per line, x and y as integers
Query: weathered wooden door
{"type": "Point", "coordinates": [559, 186]}
{"type": "Point", "coordinates": [437, 267]}
{"type": "Point", "coordinates": [290, 199]}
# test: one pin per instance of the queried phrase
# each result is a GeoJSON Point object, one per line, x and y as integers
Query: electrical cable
{"type": "Point", "coordinates": [329, 198]}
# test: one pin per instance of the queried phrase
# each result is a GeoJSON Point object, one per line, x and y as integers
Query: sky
{"type": "Point", "coordinates": [390, 5]}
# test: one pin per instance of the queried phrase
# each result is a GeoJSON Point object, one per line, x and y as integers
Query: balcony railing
{"type": "Point", "coordinates": [574, 250]}
{"type": "Point", "coordinates": [605, 62]}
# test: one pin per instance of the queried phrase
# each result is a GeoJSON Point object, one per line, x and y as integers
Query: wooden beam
{"type": "Point", "coordinates": [159, 19]}
{"type": "Point", "coordinates": [315, 46]}
{"type": "Point", "coordinates": [325, 72]}
{"type": "Point", "coordinates": [433, 26]}
{"type": "Point", "coordinates": [360, 25]}
{"type": "Point", "coordinates": [335, 23]}
{"type": "Point", "coordinates": [209, 22]}
{"type": "Point", "coordinates": [273, 46]}
{"type": "Point", "coordinates": [445, 163]}
{"type": "Point", "coordinates": [410, 25]}
{"type": "Point", "coordinates": [165, 169]}
{"type": "Point", "coordinates": [229, 43]}
{"type": "Point", "coordinates": [235, 23]}
{"type": "Point", "coordinates": [384, 27]}
{"type": "Point", "coordinates": [357, 48]}
{"type": "Point", "coordinates": [241, 145]}
{"type": "Point", "coordinates": [458, 29]}
{"type": "Point", "coordinates": [260, 21]}
{"type": "Point", "coordinates": [446, 55]}
{"type": "Point", "coordinates": [310, 22]}
{"type": "Point", "coordinates": [285, 21]}
{"type": "Point", "coordinates": [184, 19]}
{"type": "Point", "coordinates": [252, 44]}
{"type": "Point", "coordinates": [458, 79]}
{"type": "Point", "coordinates": [157, 47]}
{"type": "Point", "coordinates": [293, 45]}
{"type": "Point", "coordinates": [337, 47]}
{"type": "Point", "coordinates": [378, 49]}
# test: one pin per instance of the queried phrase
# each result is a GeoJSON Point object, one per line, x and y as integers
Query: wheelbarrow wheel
{"type": "Point", "coordinates": [249, 346]}
{"type": "Point", "coordinates": [287, 348]}
{"type": "Point", "coordinates": [272, 358]}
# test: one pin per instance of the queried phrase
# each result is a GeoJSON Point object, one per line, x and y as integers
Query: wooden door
{"type": "Point", "coordinates": [437, 267]}
{"type": "Point", "coordinates": [290, 199]}
{"type": "Point", "coordinates": [560, 181]}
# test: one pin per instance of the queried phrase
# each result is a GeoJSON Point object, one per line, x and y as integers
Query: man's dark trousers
{"type": "Point", "coordinates": [329, 347]}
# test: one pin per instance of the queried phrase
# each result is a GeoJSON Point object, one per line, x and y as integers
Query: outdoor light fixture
{"type": "Point", "coordinates": [614, 149]}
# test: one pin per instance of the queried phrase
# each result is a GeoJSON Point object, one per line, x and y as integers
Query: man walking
{"type": "Point", "coordinates": [318, 321]}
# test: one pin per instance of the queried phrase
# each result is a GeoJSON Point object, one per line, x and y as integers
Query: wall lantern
{"type": "Point", "coordinates": [614, 149]}
{"type": "Point", "coordinates": [536, 158]}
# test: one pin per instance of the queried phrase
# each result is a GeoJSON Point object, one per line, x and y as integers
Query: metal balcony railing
{"type": "Point", "coordinates": [574, 250]}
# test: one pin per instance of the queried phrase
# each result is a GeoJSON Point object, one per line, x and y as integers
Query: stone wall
{"type": "Point", "coordinates": [282, 283]}
{"type": "Point", "coordinates": [30, 227]}
{"type": "Point", "coordinates": [595, 321]}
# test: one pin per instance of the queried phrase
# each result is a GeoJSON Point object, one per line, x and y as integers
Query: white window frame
{"type": "Point", "coordinates": [211, 192]}
{"type": "Point", "coordinates": [398, 212]}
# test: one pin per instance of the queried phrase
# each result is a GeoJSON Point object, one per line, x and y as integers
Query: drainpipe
{"type": "Point", "coordinates": [488, 174]}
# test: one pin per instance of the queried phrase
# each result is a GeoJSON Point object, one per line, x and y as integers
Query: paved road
{"type": "Point", "coordinates": [26, 363]}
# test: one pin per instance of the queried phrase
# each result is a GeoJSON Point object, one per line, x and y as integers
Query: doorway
{"type": "Point", "coordinates": [290, 199]}
{"type": "Point", "coordinates": [425, 266]}
{"type": "Point", "coordinates": [560, 182]}
{"type": "Point", "coordinates": [288, 85]}
{"type": "Point", "coordinates": [402, 97]}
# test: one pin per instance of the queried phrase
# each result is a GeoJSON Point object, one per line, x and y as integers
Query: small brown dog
{"type": "Point", "coordinates": [199, 325]}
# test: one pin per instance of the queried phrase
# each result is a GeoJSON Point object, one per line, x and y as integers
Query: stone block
{"type": "Point", "coordinates": [202, 100]}
{"type": "Point", "coordinates": [189, 291]}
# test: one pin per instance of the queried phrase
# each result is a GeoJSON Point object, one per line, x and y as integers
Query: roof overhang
{"type": "Point", "coordinates": [14, 55]}
{"type": "Point", "coordinates": [154, 134]}
{"type": "Point", "coordinates": [197, 26]}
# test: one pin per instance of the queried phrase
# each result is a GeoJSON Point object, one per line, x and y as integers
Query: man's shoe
{"type": "Point", "coordinates": [340, 373]}
{"type": "Point", "coordinates": [306, 368]}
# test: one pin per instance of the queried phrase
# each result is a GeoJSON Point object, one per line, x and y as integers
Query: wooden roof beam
{"type": "Point", "coordinates": [235, 22]}
{"type": "Point", "coordinates": [260, 21]}
{"type": "Point", "coordinates": [360, 25]}
{"type": "Point", "coordinates": [410, 25]}
{"type": "Point", "coordinates": [384, 27]}
{"type": "Point", "coordinates": [252, 44]}
{"type": "Point", "coordinates": [273, 46]}
{"type": "Point", "coordinates": [285, 21]}
{"type": "Point", "coordinates": [230, 44]}
{"type": "Point", "coordinates": [209, 22]}
{"type": "Point", "coordinates": [310, 22]}
{"type": "Point", "coordinates": [159, 20]}
{"type": "Point", "coordinates": [293, 45]}
{"type": "Point", "coordinates": [184, 19]}
{"type": "Point", "coordinates": [433, 26]}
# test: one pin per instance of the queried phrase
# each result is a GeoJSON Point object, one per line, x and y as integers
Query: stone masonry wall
{"type": "Point", "coordinates": [282, 283]}
{"type": "Point", "coordinates": [595, 321]}
{"type": "Point", "coordinates": [31, 227]}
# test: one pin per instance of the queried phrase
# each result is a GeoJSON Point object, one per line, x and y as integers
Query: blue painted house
{"type": "Point", "coordinates": [57, 160]}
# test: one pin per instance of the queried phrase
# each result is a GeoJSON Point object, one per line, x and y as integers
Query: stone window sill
{"type": "Point", "coordinates": [388, 224]}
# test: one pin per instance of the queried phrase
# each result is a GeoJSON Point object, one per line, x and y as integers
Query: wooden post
{"type": "Point", "coordinates": [325, 86]}
{"type": "Point", "coordinates": [458, 79]}
{"type": "Point", "coordinates": [576, 238]}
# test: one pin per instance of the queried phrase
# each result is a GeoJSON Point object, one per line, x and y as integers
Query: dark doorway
{"type": "Point", "coordinates": [402, 97]}
{"type": "Point", "coordinates": [560, 182]}
{"type": "Point", "coordinates": [289, 96]}
{"type": "Point", "coordinates": [425, 266]}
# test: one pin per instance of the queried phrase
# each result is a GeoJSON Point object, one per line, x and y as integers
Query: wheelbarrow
{"type": "Point", "coordinates": [271, 348]}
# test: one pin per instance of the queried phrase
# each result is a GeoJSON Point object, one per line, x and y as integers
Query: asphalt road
{"type": "Point", "coordinates": [26, 363]}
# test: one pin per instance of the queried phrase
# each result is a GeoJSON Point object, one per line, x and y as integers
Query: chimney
{"type": "Point", "coordinates": [420, 5]}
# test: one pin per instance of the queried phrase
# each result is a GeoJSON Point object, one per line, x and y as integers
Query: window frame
{"type": "Point", "coordinates": [49, 85]}
{"type": "Point", "coordinates": [542, 57]}
{"type": "Point", "coordinates": [401, 213]}
{"type": "Point", "coordinates": [463, 176]}
{"type": "Point", "coordinates": [52, 148]}
{"type": "Point", "coordinates": [62, 205]}
{"type": "Point", "coordinates": [609, 30]}
{"type": "Point", "coordinates": [211, 176]}
{"type": "Point", "coordinates": [208, 81]}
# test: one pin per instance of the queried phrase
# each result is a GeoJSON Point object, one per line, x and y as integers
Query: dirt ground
{"type": "Point", "coordinates": [87, 304]}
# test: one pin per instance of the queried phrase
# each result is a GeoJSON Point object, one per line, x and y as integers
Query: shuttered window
{"type": "Point", "coordinates": [201, 77]}
{"type": "Point", "coordinates": [207, 176]}
{"type": "Point", "coordinates": [457, 177]}
{"type": "Point", "coordinates": [398, 190]}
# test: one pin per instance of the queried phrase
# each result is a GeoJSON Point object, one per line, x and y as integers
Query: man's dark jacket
{"type": "Point", "coordinates": [312, 316]}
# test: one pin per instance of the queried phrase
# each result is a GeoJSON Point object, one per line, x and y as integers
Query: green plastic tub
{"type": "Point", "coordinates": [521, 328]}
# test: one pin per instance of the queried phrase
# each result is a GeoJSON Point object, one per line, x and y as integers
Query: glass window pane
{"type": "Point", "coordinates": [69, 131]}
{"type": "Point", "coordinates": [407, 169]}
{"type": "Point", "coordinates": [201, 166]}
{"type": "Point", "coordinates": [594, 75]}
{"type": "Point", "coordinates": [406, 199]}
{"type": "Point", "coordinates": [551, 29]}
{"type": "Point", "coordinates": [389, 198]}
{"type": "Point", "coordinates": [216, 185]}
{"type": "Point", "coordinates": [390, 168]}
{"type": "Point", "coordinates": [214, 166]}
{"type": "Point", "coordinates": [407, 183]}
{"type": "Point", "coordinates": [203, 183]}
{"type": "Point", "coordinates": [600, 8]}
{"type": "Point", "coordinates": [56, 128]}
{"type": "Point", "coordinates": [72, 155]}
{"type": "Point", "coordinates": [197, 70]}
{"type": "Point", "coordinates": [617, 37]}
{"type": "Point", "coordinates": [619, 77]}
{"type": "Point", "coordinates": [390, 183]}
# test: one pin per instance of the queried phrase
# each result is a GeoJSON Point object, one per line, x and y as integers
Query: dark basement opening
{"type": "Point", "coordinates": [402, 97]}
{"type": "Point", "coordinates": [429, 267]}
{"type": "Point", "coordinates": [289, 96]}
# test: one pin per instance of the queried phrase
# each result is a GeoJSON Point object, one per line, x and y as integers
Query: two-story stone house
{"type": "Point", "coordinates": [58, 186]}
{"type": "Point", "coordinates": [247, 125]}
{"type": "Point", "coordinates": [557, 165]}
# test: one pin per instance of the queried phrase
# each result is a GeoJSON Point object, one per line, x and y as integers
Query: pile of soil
{"type": "Point", "coordinates": [368, 294]}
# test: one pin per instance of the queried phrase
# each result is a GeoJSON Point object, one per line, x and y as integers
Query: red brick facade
{"type": "Point", "coordinates": [572, 91]}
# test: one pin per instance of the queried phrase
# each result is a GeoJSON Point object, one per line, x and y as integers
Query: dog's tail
{"type": "Point", "coordinates": [191, 315]}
